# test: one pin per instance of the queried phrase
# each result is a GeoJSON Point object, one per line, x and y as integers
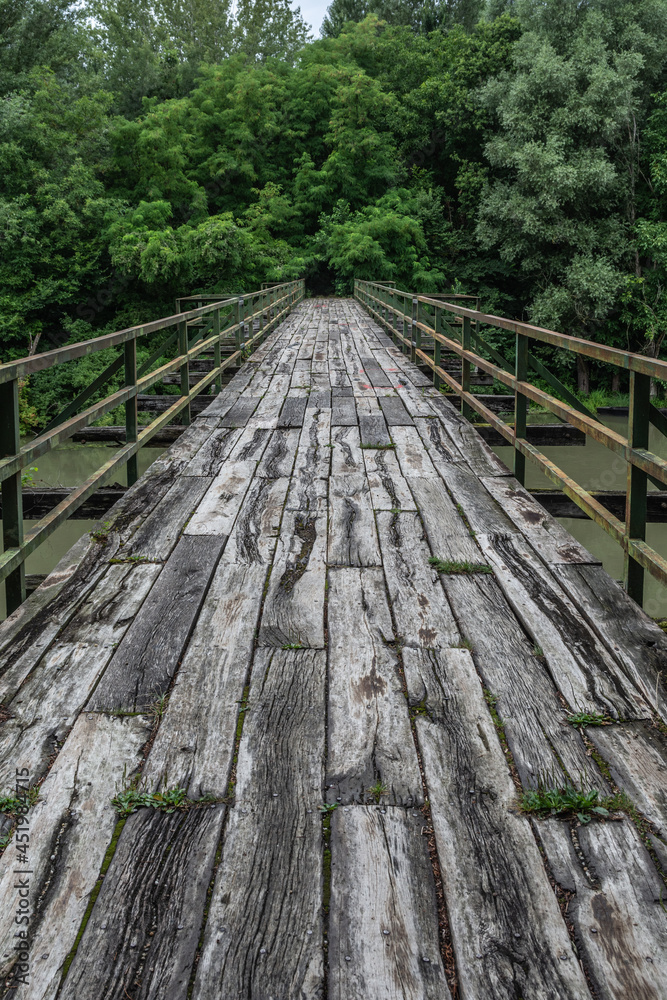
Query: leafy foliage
{"type": "Point", "coordinates": [517, 150]}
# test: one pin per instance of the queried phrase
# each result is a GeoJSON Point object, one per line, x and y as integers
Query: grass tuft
{"type": "Point", "coordinates": [569, 801]}
{"type": "Point", "coordinates": [454, 566]}
{"type": "Point", "coordinates": [589, 719]}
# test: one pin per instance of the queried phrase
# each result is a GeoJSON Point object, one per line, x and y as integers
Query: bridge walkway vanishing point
{"type": "Point", "coordinates": [258, 624]}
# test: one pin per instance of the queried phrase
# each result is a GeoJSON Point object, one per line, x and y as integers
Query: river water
{"type": "Point", "coordinates": [592, 465]}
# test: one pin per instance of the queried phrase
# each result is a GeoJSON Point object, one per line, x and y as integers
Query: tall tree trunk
{"type": "Point", "coordinates": [616, 382]}
{"type": "Point", "coordinates": [583, 375]}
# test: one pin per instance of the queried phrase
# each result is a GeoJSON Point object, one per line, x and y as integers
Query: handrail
{"type": "Point", "coordinates": [226, 317]}
{"type": "Point", "coordinates": [427, 315]}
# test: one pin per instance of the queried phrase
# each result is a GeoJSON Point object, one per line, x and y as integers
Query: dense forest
{"type": "Point", "coordinates": [515, 150]}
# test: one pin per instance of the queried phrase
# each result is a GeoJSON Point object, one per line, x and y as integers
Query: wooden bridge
{"type": "Point", "coordinates": [305, 711]}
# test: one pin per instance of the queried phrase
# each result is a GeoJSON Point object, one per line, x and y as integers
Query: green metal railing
{"type": "Point", "coordinates": [193, 332]}
{"type": "Point", "coordinates": [408, 317]}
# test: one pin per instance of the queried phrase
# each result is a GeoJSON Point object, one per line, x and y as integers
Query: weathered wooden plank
{"type": "Point", "coordinates": [389, 489]}
{"type": "Point", "coordinates": [343, 412]}
{"type": "Point", "coordinates": [373, 430]}
{"type": "Point", "coordinates": [347, 458]}
{"type": "Point", "coordinates": [195, 742]}
{"type": "Point", "coordinates": [293, 411]}
{"type": "Point", "coordinates": [441, 448]}
{"type": "Point", "coordinates": [222, 403]}
{"type": "Point", "coordinates": [421, 611]}
{"type": "Point", "coordinates": [636, 642]}
{"type": "Point", "coordinates": [415, 402]}
{"type": "Point", "coordinates": [294, 604]}
{"type": "Point", "coordinates": [255, 532]}
{"type": "Point", "coordinates": [142, 935]}
{"type": "Point", "coordinates": [582, 668]}
{"type": "Point", "coordinates": [321, 399]}
{"type": "Point", "coordinates": [394, 411]}
{"type": "Point", "coordinates": [412, 456]}
{"type": "Point", "coordinates": [251, 444]}
{"type": "Point", "coordinates": [446, 530]}
{"type": "Point", "coordinates": [352, 532]}
{"type": "Point", "coordinates": [278, 458]}
{"type": "Point", "coordinates": [217, 512]}
{"type": "Point", "coordinates": [264, 930]}
{"type": "Point", "coordinates": [309, 486]}
{"type": "Point", "coordinates": [477, 452]}
{"type": "Point", "coordinates": [375, 375]}
{"type": "Point", "coordinates": [157, 536]}
{"type": "Point", "coordinates": [146, 660]}
{"type": "Point", "coordinates": [69, 830]}
{"type": "Point", "coordinates": [549, 538]}
{"type": "Point", "coordinates": [617, 909]}
{"type": "Point", "coordinates": [383, 942]}
{"type": "Point", "coordinates": [239, 414]}
{"type": "Point", "coordinates": [482, 512]}
{"type": "Point", "coordinates": [508, 935]}
{"type": "Point", "coordinates": [370, 742]}
{"type": "Point", "coordinates": [214, 451]}
{"type": "Point", "coordinates": [49, 700]}
{"type": "Point", "coordinates": [636, 753]}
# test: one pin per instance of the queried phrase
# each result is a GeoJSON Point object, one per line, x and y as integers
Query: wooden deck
{"type": "Point", "coordinates": [257, 623]}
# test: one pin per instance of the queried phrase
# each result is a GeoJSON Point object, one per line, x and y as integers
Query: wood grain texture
{"type": "Point", "coordinates": [352, 533]}
{"type": "Point", "coordinates": [389, 489]}
{"type": "Point", "coordinates": [619, 923]}
{"type": "Point", "coordinates": [343, 412]}
{"type": "Point", "coordinates": [278, 458]}
{"type": "Point", "coordinates": [370, 742]}
{"type": "Point", "coordinates": [373, 430]}
{"type": "Point", "coordinates": [207, 461]}
{"type": "Point", "coordinates": [46, 705]}
{"type": "Point", "coordinates": [158, 534]}
{"type": "Point", "coordinates": [581, 667]}
{"type": "Point", "coordinates": [264, 930]}
{"type": "Point", "coordinates": [217, 511]}
{"type": "Point", "coordinates": [142, 935]}
{"type": "Point", "coordinates": [447, 533]}
{"type": "Point", "coordinates": [507, 931]}
{"type": "Point", "coordinates": [394, 411]}
{"type": "Point", "coordinates": [421, 611]}
{"type": "Point", "coordinates": [195, 742]}
{"type": "Point", "coordinates": [542, 742]}
{"type": "Point", "coordinates": [461, 432]}
{"type": "Point", "coordinates": [638, 645]}
{"type": "Point", "coordinates": [294, 604]}
{"type": "Point", "coordinates": [413, 458]}
{"type": "Point", "coordinates": [239, 414]}
{"type": "Point", "coordinates": [383, 941]}
{"type": "Point", "coordinates": [144, 663]}
{"type": "Point", "coordinates": [636, 754]}
{"type": "Point", "coordinates": [70, 828]}
{"type": "Point", "coordinates": [547, 536]}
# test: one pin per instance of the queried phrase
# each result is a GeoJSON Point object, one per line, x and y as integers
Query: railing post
{"type": "Point", "coordinates": [239, 323]}
{"type": "Point", "coordinates": [466, 344]}
{"type": "Point", "coordinates": [12, 499]}
{"type": "Point", "coordinates": [262, 297]}
{"type": "Point", "coordinates": [185, 369]}
{"type": "Point", "coordinates": [635, 502]}
{"type": "Point", "coordinates": [520, 406]}
{"type": "Point", "coordinates": [437, 347]}
{"type": "Point", "coordinates": [217, 355]}
{"type": "Point", "coordinates": [131, 408]}
{"type": "Point", "coordinates": [417, 339]}
{"type": "Point", "coordinates": [413, 330]}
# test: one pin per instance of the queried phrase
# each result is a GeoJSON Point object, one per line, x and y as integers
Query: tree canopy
{"type": "Point", "coordinates": [515, 150]}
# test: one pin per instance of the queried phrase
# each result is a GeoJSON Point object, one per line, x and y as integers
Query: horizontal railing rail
{"type": "Point", "coordinates": [455, 328]}
{"type": "Point", "coordinates": [223, 320]}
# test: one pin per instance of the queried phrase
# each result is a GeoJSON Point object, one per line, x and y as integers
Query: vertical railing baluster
{"type": "Point", "coordinates": [520, 406]}
{"type": "Point", "coordinates": [185, 369]}
{"type": "Point", "coordinates": [413, 330]}
{"type": "Point", "coordinates": [437, 347]}
{"type": "Point", "coordinates": [217, 351]}
{"type": "Point", "coordinates": [635, 499]}
{"type": "Point", "coordinates": [239, 325]}
{"type": "Point", "coordinates": [12, 498]}
{"type": "Point", "coordinates": [131, 408]}
{"type": "Point", "coordinates": [466, 342]}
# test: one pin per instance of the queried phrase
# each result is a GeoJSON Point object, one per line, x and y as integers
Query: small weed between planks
{"type": "Point", "coordinates": [569, 801]}
{"type": "Point", "coordinates": [10, 804]}
{"type": "Point", "coordinates": [453, 566]}
{"type": "Point", "coordinates": [293, 645]}
{"type": "Point", "coordinates": [589, 719]}
{"type": "Point", "coordinates": [102, 533]}
{"type": "Point", "coordinates": [378, 790]}
{"type": "Point", "coordinates": [168, 801]}
{"type": "Point", "coordinates": [378, 447]}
